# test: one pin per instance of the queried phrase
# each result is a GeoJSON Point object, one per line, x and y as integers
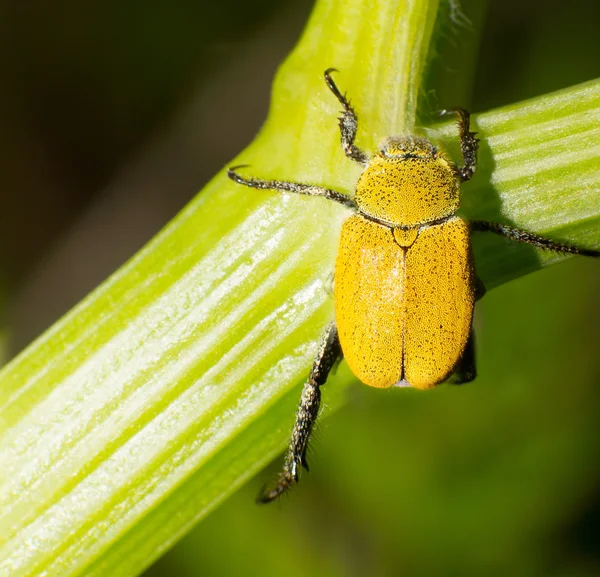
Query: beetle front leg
{"type": "Point", "coordinates": [348, 123]}
{"type": "Point", "coordinates": [308, 411]}
{"type": "Point", "coordinates": [469, 143]}
{"type": "Point", "coordinates": [530, 238]}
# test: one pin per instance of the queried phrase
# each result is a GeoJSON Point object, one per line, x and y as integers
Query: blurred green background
{"type": "Point", "coordinates": [113, 115]}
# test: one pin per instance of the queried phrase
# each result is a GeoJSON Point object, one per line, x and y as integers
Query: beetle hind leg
{"type": "Point", "coordinates": [308, 411]}
{"type": "Point", "coordinates": [466, 370]}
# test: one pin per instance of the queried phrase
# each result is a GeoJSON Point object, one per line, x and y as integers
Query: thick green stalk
{"type": "Point", "coordinates": [176, 380]}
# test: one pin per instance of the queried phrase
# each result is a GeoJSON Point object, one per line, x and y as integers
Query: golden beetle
{"type": "Point", "coordinates": [405, 285]}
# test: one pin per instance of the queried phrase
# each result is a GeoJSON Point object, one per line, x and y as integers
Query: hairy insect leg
{"type": "Point", "coordinates": [469, 143]}
{"type": "Point", "coordinates": [480, 289]}
{"type": "Point", "coordinates": [466, 370]}
{"type": "Point", "coordinates": [295, 187]}
{"type": "Point", "coordinates": [348, 122]}
{"type": "Point", "coordinates": [530, 238]}
{"type": "Point", "coordinates": [308, 411]}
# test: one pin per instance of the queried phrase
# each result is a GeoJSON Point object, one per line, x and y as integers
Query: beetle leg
{"type": "Point", "coordinates": [308, 411]}
{"type": "Point", "coordinates": [348, 122]}
{"type": "Point", "coordinates": [480, 289]}
{"type": "Point", "coordinates": [469, 143]}
{"type": "Point", "coordinates": [530, 238]}
{"type": "Point", "coordinates": [295, 187]}
{"type": "Point", "coordinates": [466, 370]}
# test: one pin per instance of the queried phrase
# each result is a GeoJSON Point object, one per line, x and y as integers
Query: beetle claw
{"type": "Point", "coordinates": [285, 481]}
{"type": "Point", "coordinates": [304, 462]}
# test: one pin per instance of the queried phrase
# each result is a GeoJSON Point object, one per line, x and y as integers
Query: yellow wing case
{"type": "Point", "coordinates": [404, 313]}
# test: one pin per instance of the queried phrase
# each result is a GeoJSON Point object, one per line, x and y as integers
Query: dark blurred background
{"type": "Point", "coordinates": [114, 114]}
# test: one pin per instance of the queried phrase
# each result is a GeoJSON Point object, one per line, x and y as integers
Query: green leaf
{"type": "Point", "coordinates": [538, 171]}
{"type": "Point", "coordinates": [176, 380]}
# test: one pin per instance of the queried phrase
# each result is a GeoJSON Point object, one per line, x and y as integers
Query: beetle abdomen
{"type": "Point", "coordinates": [403, 313]}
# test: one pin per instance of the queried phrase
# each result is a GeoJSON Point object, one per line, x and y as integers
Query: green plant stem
{"type": "Point", "coordinates": [176, 380]}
